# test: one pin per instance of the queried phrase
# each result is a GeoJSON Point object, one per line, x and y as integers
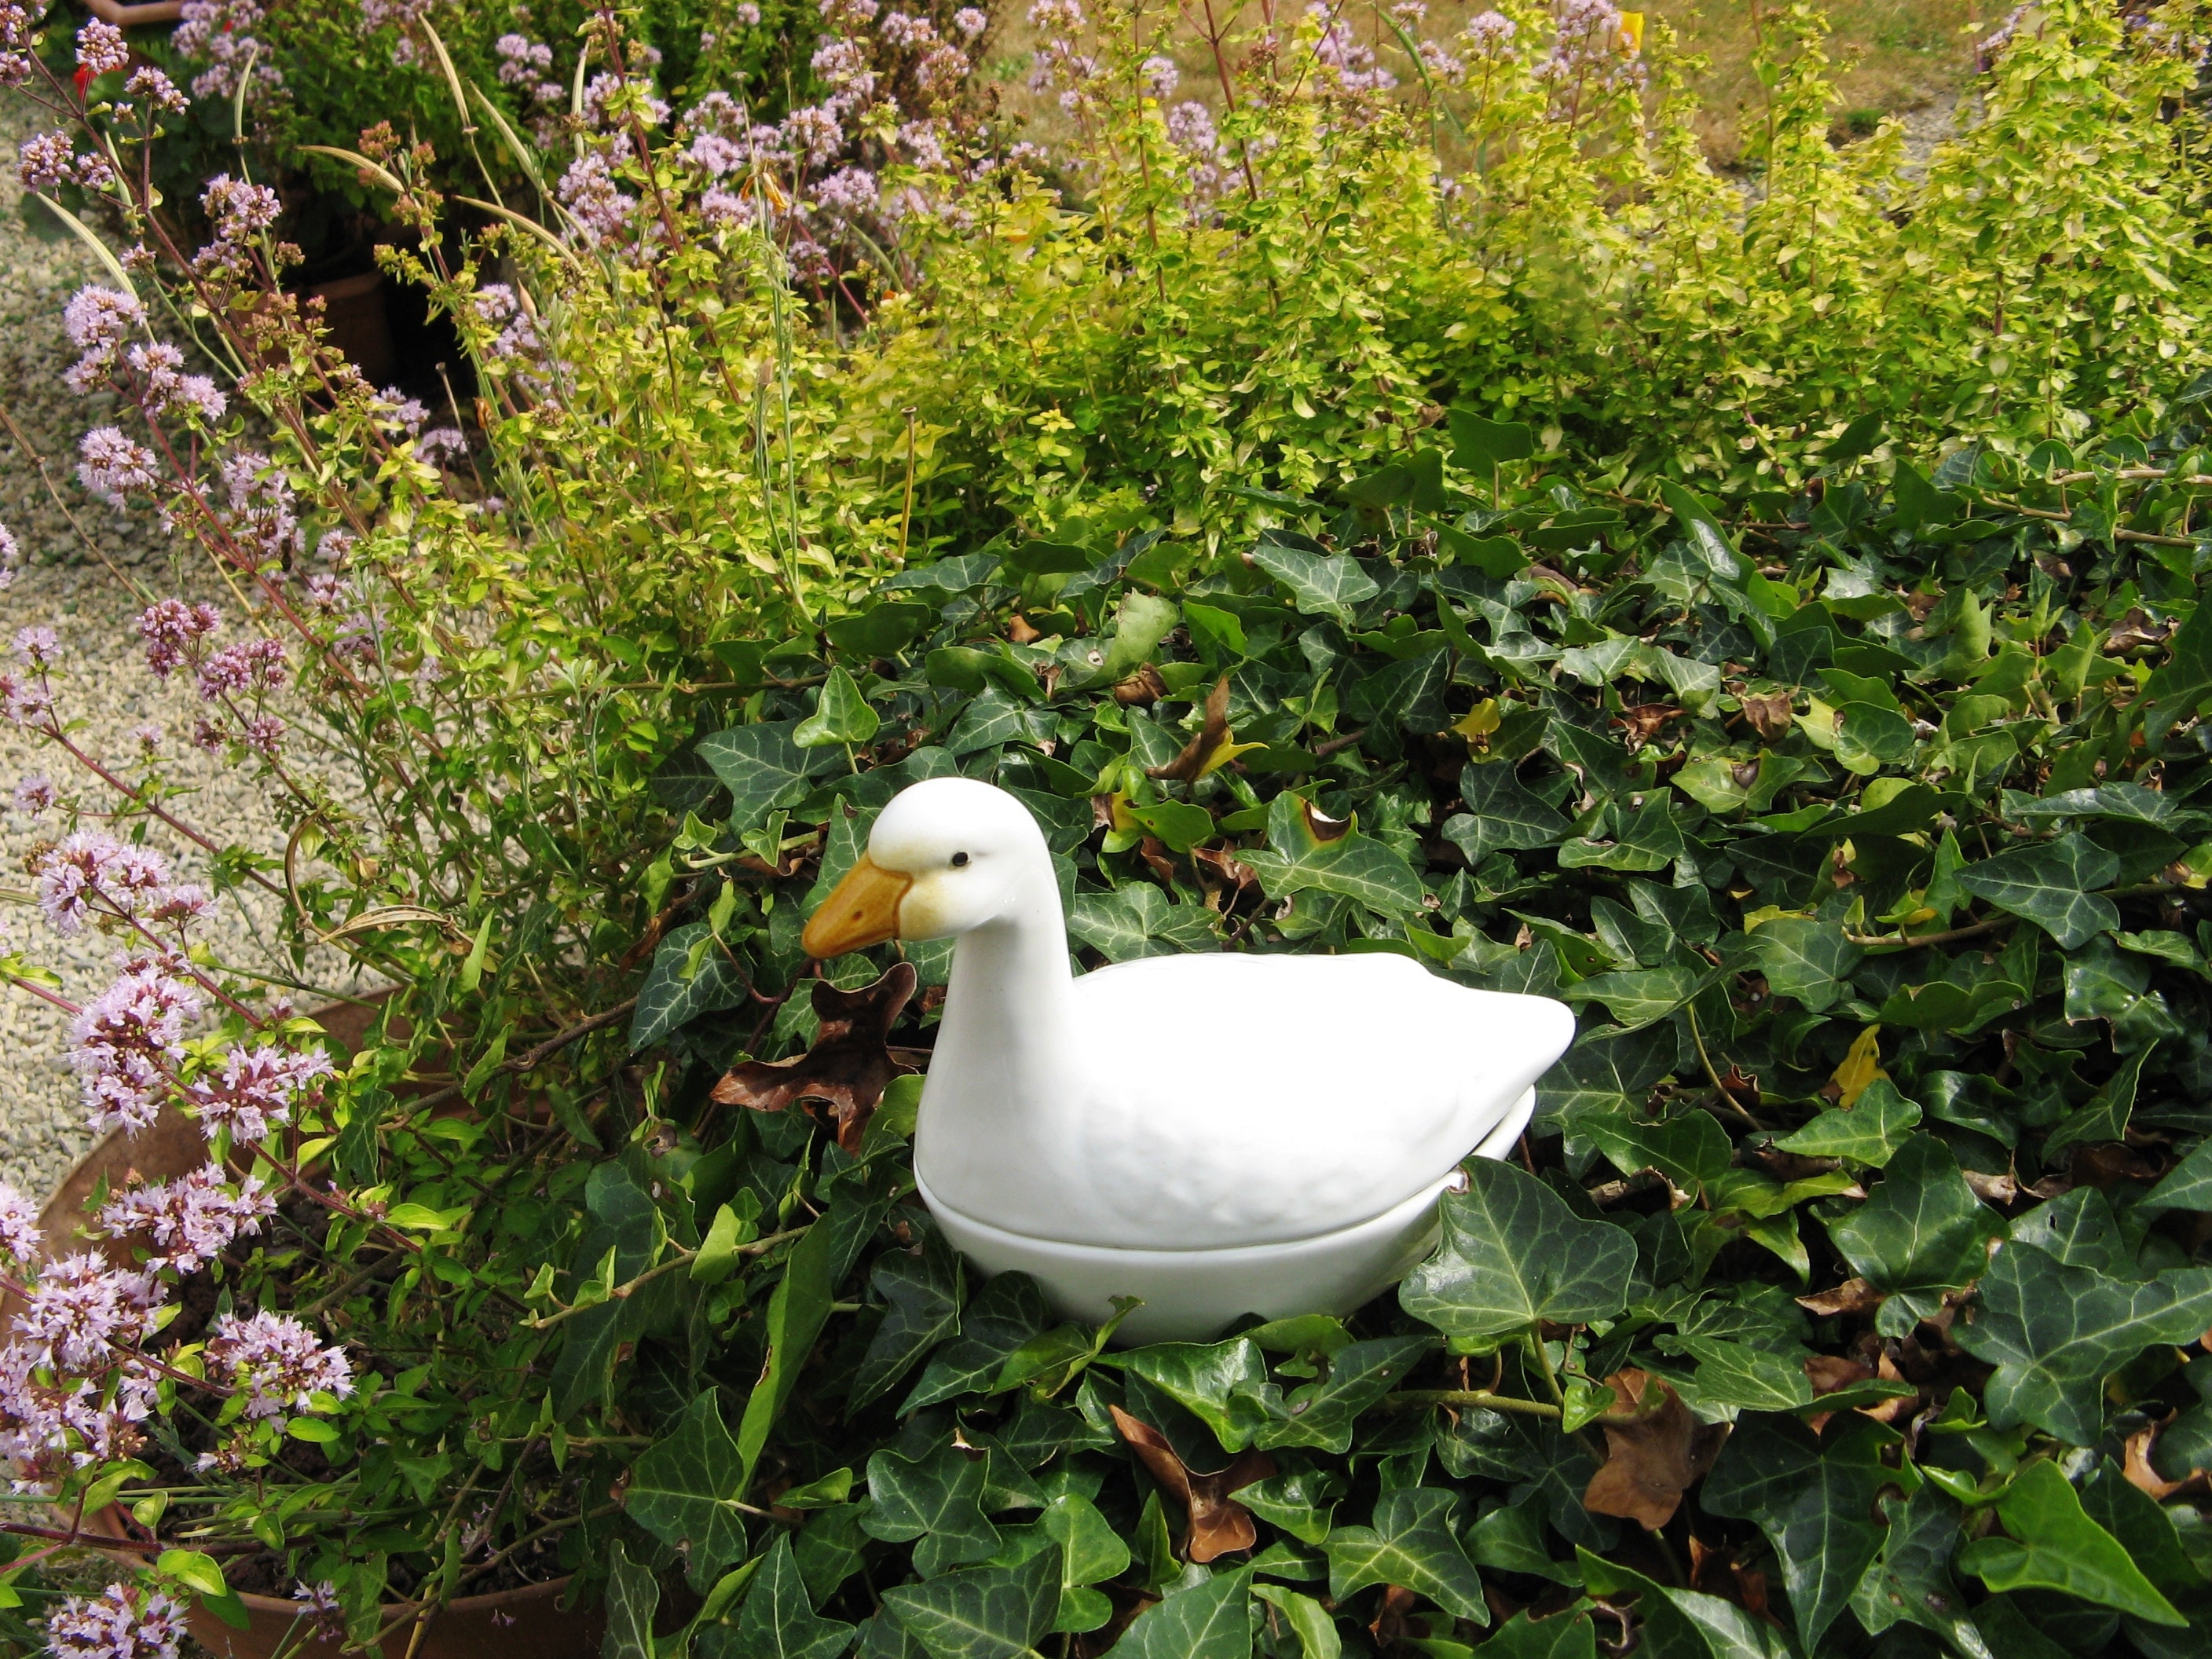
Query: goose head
{"type": "Point", "coordinates": [947, 856]}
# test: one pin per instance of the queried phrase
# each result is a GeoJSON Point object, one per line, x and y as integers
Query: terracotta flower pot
{"type": "Point", "coordinates": [518, 1624]}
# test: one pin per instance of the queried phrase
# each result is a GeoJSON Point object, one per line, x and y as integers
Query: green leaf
{"type": "Point", "coordinates": [1091, 1551]}
{"type": "Point", "coordinates": [1212, 1620]}
{"type": "Point", "coordinates": [983, 1613]}
{"type": "Point", "coordinates": [937, 1499]}
{"type": "Point", "coordinates": [841, 715]}
{"type": "Point", "coordinates": [196, 1570]}
{"type": "Point", "coordinates": [721, 1253]}
{"type": "Point", "coordinates": [1869, 1131]}
{"type": "Point", "coordinates": [1912, 1581]}
{"type": "Point", "coordinates": [1306, 1619]}
{"type": "Point", "coordinates": [2144, 1529]}
{"type": "Point", "coordinates": [1924, 1229]}
{"type": "Point", "coordinates": [1680, 1624]}
{"type": "Point", "coordinates": [686, 982]}
{"type": "Point", "coordinates": [687, 1488]}
{"type": "Point", "coordinates": [1805, 959]}
{"type": "Point", "coordinates": [763, 768]}
{"type": "Point", "coordinates": [881, 630]}
{"type": "Point", "coordinates": [1354, 865]}
{"type": "Point", "coordinates": [1319, 584]}
{"type": "Point", "coordinates": [1513, 1254]}
{"type": "Point", "coordinates": [2050, 884]}
{"type": "Point", "coordinates": [1321, 1414]}
{"type": "Point", "coordinates": [1005, 1314]}
{"type": "Point", "coordinates": [1739, 1374]}
{"type": "Point", "coordinates": [1479, 444]}
{"type": "Point", "coordinates": [2054, 1544]}
{"type": "Point", "coordinates": [1568, 1635]}
{"type": "Point", "coordinates": [1813, 1498]}
{"type": "Point", "coordinates": [2187, 1185]}
{"type": "Point", "coordinates": [1224, 1385]}
{"type": "Point", "coordinates": [2106, 1117]}
{"type": "Point", "coordinates": [2184, 679]}
{"type": "Point", "coordinates": [1691, 1149]}
{"type": "Point", "coordinates": [1411, 1545]}
{"type": "Point", "coordinates": [778, 1620]}
{"type": "Point", "coordinates": [1500, 815]}
{"type": "Point", "coordinates": [1644, 996]}
{"type": "Point", "coordinates": [797, 1310]}
{"type": "Point", "coordinates": [633, 1596]}
{"type": "Point", "coordinates": [2055, 1333]}
{"type": "Point", "coordinates": [923, 1288]}
{"type": "Point", "coordinates": [1137, 919]}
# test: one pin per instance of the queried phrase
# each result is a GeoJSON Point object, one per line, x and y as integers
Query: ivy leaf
{"type": "Point", "coordinates": [1513, 1254]}
{"type": "Point", "coordinates": [1091, 1553]}
{"type": "Point", "coordinates": [1501, 815]}
{"type": "Point", "coordinates": [1646, 995]}
{"type": "Point", "coordinates": [1805, 959]}
{"type": "Point", "coordinates": [763, 766]}
{"type": "Point", "coordinates": [2054, 1544]}
{"type": "Point", "coordinates": [840, 716]}
{"type": "Point", "coordinates": [778, 1620]}
{"type": "Point", "coordinates": [692, 975]}
{"type": "Point", "coordinates": [1739, 1375]}
{"type": "Point", "coordinates": [1321, 1414]}
{"type": "Point", "coordinates": [2055, 1333]}
{"type": "Point", "coordinates": [1691, 1149]}
{"type": "Point", "coordinates": [2187, 1185]}
{"type": "Point", "coordinates": [2106, 1117]}
{"type": "Point", "coordinates": [686, 1490]}
{"type": "Point", "coordinates": [1923, 1230]}
{"type": "Point", "coordinates": [923, 1288]}
{"type": "Point", "coordinates": [797, 1310]}
{"type": "Point", "coordinates": [984, 1613]}
{"type": "Point", "coordinates": [1681, 1624]}
{"type": "Point", "coordinates": [1411, 1545]}
{"type": "Point", "coordinates": [1319, 584]}
{"type": "Point", "coordinates": [1309, 853]}
{"type": "Point", "coordinates": [1306, 1618]}
{"type": "Point", "coordinates": [1815, 1500]}
{"type": "Point", "coordinates": [1569, 1635]}
{"type": "Point", "coordinates": [1212, 1620]}
{"type": "Point", "coordinates": [1137, 919]}
{"type": "Point", "coordinates": [2050, 884]}
{"type": "Point", "coordinates": [937, 1499]}
{"type": "Point", "coordinates": [1869, 1131]}
{"type": "Point", "coordinates": [633, 1596]}
{"type": "Point", "coordinates": [1005, 1313]}
{"type": "Point", "coordinates": [1224, 1385]}
{"type": "Point", "coordinates": [1912, 1581]}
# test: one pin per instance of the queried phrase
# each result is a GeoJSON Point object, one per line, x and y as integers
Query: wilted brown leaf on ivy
{"type": "Point", "coordinates": [1142, 688]}
{"type": "Point", "coordinates": [1213, 733]}
{"type": "Point", "coordinates": [1853, 1296]}
{"type": "Point", "coordinates": [849, 1065]}
{"type": "Point", "coordinates": [1219, 1523]}
{"type": "Point", "coordinates": [1655, 1450]}
{"type": "Point", "coordinates": [1642, 720]}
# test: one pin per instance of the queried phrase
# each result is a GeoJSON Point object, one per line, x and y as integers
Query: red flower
{"type": "Point", "coordinates": [83, 79]}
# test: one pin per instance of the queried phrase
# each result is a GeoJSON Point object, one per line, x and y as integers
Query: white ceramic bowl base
{"type": "Point", "coordinates": [1190, 1295]}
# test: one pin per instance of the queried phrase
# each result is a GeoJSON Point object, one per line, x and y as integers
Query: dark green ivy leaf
{"type": "Point", "coordinates": [1814, 1497]}
{"type": "Point", "coordinates": [2051, 884]}
{"type": "Point", "coordinates": [692, 975]}
{"type": "Point", "coordinates": [1212, 1620]}
{"type": "Point", "coordinates": [778, 1620]}
{"type": "Point", "coordinates": [923, 1288]}
{"type": "Point", "coordinates": [2054, 1544]}
{"type": "Point", "coordinates": [763, 768]}
{"type": "Point", "coordinates": [2055, 1332]}
{"type": "Point", "coordinates": [937, 1499]}
{"type": "Point", "coordinates": [1513, 1254]}
{"type": "Point", "coordinates": [1868, 1131]}
{"type": "Point", "coordinates": [1911, 1582]}
{"type": "Point", "coordinates": [1411, 1545]}
{"type": "Point", "coordinates": [1005, 1314]}
{"type": "Point", "coordinates": [984, 1613]}
{"type": "Point", "coordinates": [686, 1490]}
{"type": "Point", "coordinates": [1321, 1414]}
{"type": "Point", "coordinates": [633, 1596]}
{"type": "Point", "coordinates": [1500, 815]}
{"type": "Point", "coordinates": [1923, 1230]}
{"type": "Point", "coordinates": [1806, 959]}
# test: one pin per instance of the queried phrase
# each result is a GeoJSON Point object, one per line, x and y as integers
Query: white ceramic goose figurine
{"type": "Point", "coordinates": [1218, 1134]}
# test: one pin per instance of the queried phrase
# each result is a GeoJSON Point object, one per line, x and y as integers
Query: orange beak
{"type": "Point", "coordinates": [863, 909]}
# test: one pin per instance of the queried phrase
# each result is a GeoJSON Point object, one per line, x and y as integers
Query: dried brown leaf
{"type": "Point", "coordinates": [1643, 720]}
{"type": "Point", "coordinates": [849, 1065]}
{"type": "Point", "coordinates": [1219, 1523]}
{"type": "Point", "coordinates": [1853, 1296]}
{"type": "Point", "coordinates": [1770, 716]}
{"type": "Point", "coordinates": [1143, 688]}
{"type": "Point", "coordinates": [1655, 1450]}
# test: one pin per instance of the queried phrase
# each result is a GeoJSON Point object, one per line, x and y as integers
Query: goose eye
{"type": "Point", "coordinates": [959, 861]}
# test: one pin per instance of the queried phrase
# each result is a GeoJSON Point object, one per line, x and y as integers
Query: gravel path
{"type": "Point", "coordinates": [63, 585]}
